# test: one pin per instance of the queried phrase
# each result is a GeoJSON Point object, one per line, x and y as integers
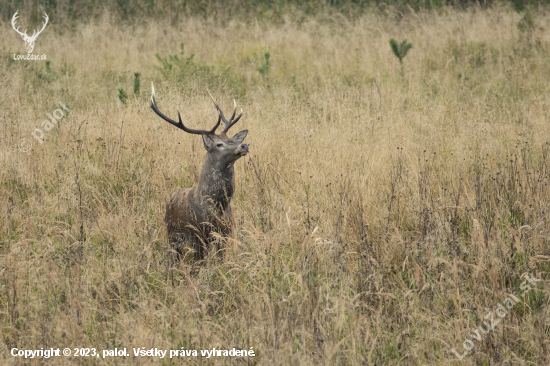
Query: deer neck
{"type": "Point", "coordinates": [217, 182]}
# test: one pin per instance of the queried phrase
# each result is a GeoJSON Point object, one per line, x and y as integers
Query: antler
{"type": "Point", "coordinates": [232, 120]}
{"type": "Point", "coordinates": [17, 29]}
{"type": "Point", "coordinates": [179, 124]}
{"type": "Point", "coordinates": [24, 34]}
{"type": "Point", "coordinates": [34, 34]}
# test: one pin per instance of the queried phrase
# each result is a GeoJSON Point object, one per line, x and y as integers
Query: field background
{"type": "Point", "coordinates": [381, 213]}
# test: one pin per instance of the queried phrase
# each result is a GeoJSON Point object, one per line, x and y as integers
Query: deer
{"type": "Point", "coordinates": [197, 217]}
{"type": "Point", "coordinates": [29, 41]}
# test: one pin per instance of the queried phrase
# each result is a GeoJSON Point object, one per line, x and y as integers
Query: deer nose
{"type": "Point", "coordinates": [244, 147]}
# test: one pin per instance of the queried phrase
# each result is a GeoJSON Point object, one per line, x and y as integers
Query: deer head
{"type": "Point", "coordinates": [222, 150]}
{"type": "Point", "coordinates": [29, 41]}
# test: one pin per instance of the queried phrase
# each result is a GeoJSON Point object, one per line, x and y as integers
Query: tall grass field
{"type": "Point", "coordinates": [387, 214]}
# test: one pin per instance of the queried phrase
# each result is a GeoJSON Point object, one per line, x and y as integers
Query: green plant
{"type": "Point", "coordinates": [264, 69]}
{"type": "Point", "coordinates": [400, 50]}
{"type": "Point", "coordinates": [527, 22]}
{"type": "Point", "coordinates": [137, 83]}
{"type": "Point", "coordinates": [49, 75]}
{"type": "Point", "coordinates": [186, 70]}
{"type": "Point", "coordinates": [122, 95]}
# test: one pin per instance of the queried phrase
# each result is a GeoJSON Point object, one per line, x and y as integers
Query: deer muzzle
{"type": "Point", "coordinates": [243, 150]}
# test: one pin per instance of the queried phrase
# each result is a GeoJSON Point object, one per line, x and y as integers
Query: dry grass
{"type": "Point", "coordinates": [379, 216]}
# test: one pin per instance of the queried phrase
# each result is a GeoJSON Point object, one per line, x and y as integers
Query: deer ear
{"type": "Point", "coordinates": [207, 140]}
{"type": "Point", "coordinates": [238, 138]}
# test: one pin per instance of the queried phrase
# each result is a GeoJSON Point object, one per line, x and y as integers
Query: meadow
{"type": "Point", "coordinates": [381, 213]}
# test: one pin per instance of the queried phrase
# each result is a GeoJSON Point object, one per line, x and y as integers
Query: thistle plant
{"type": "Point", "coordinates": [400, 50]}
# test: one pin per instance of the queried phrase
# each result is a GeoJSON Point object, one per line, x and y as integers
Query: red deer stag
{"type": "Point", "coordinates": [194, 215]}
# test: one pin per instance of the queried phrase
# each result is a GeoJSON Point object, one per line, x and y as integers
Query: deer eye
{"type": "Point", "coordinates": [219, 144]}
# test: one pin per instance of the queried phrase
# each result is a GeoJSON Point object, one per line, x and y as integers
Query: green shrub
{"type": "Point", "coordinates": [122, 95]}
{"type": "Point", "coordinates": [400, 50]}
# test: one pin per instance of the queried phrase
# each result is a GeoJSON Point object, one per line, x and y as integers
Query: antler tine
{"type": "Point", "coordinates": [213, 131]}
{"type": "Point", "coordinates": [233, 121]}
{"type": "Point", "coordinates": [218, 108]}
{"type": "Point", "coordinates": [44, 24]}
{"type": "Point", "coordinates": [35, 32]}
{"type": "Point", "coordinates": [234, 111]}
{"type": "Point", "coordinates": [178, 124]}
{"type": "Point", "coordinates": [13, 19]}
